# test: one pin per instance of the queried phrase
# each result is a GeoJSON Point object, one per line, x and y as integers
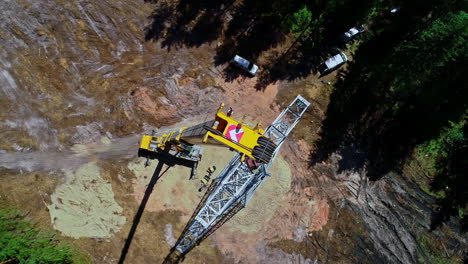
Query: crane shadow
{"type": "Point", "coordinates": [163, 159]}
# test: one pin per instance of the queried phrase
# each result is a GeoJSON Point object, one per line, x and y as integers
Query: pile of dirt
{"type": "Point", "coordinates": [85, 205]}
{"type": "Point", "coordinates": [257, 106]}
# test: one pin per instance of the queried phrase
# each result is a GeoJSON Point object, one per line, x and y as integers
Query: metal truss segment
{"type": "Point", "coordinates": [236, 184]}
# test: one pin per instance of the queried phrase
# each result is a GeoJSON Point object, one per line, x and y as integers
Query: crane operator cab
{"type": "Point", "coordinates": [249, 141]}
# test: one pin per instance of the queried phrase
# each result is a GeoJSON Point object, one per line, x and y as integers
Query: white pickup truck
{"type": "Point", "coordinates": [333, 63]}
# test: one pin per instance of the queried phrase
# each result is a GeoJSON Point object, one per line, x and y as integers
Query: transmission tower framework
{"type": "Point", "coordinates": [231, 190]}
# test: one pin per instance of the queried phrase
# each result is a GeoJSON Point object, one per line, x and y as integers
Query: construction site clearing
{"type": "Point", "coordinates": [72, 165]}
{"type": "Point", "coordinates": [92, 202]}
{"type": "Point", "coordinates": [84, 206]}
{"type": "Point", "coordinates": [234, 186]}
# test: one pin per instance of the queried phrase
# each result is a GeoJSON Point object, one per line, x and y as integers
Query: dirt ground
{"type": "Point", "coordinates": [81, 81]}
{"type": "Point", "coordinates": [279, 211]}
{"type": "Point", "coordinates": [174, 191]}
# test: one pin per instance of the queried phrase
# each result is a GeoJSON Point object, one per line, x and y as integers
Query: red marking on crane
{"type": "Point", "coordinates": [234, 133]}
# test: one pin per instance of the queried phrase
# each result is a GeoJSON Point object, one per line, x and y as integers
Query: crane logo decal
{"type": "Point", "coordinates": [234, 133]}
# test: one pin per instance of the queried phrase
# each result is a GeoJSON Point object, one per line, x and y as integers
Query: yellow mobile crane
{"type": "Point", "coordinates": [223, 130]}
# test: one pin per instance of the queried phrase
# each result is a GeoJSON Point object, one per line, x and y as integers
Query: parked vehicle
{"type": "Point", "coordinates": [352, 33]}
{"type": "Point", "coordinates": [394, 10]}
{"type": "Point", "coordinates": [244, 64]}
{"type": "Point", "coordinates": [333, 63]}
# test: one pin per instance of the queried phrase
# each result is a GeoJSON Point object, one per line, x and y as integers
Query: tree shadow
{"type": "Point", "coordinates": [189, 23]}
{"type": "Point", "coordinates": [251, 27]}
{"type": "Point", "coordinates": [247, 28]}
{"type": "Point", "coordinates": [159, 17]}
{"type": "Point", "coordinates": [297, 64]}
{"type": "Point", "coordinates": [386, 126]}
{"type": "Point", "coordinates": [303, 59]}
{"type": "Point", "coordinates": [352, 100]}
{"type": "Point", "coordinates": [247, 36]}
{"type": "Point", "coordinates": [232, 73]}
{"type": "Point", "coordinates": [194, 23]}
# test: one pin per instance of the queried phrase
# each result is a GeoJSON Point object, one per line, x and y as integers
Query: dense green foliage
{"type": "Point", "coordinates": [447, 156]}
{"type": "Point", "coordinates": [299, 22]}
{"type": "Point", "coordinates": [450, 153]}
{"type": "Point", "coordinates": [450, 139]}
{"type": "Point", "coordinates": [22, 243]}
{"type": "Point", "coordinates": [430, 51]}
{"type": "Point", "coordinates": [406, 91]}
{"type": "Point", "coordinates": [431, 254]}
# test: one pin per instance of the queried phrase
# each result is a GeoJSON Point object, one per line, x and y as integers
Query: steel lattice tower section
{"type": "Point", "coordinates": [235, 185]}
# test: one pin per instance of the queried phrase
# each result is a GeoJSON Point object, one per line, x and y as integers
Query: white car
{"type": "Point", "coordinates": [244, 64]}
{"type": "Point", "coordinates": [352, 33]}
{"type": "Point", "coordinates": [333, 63]}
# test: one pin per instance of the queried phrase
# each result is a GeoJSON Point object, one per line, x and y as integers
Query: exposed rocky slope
{"type": "Point", "coordinates": [386, 221]}
{"type": "Point", "coordinates": [73, 70]}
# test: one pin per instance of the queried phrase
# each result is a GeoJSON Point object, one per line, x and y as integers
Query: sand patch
{"type": "Point", "coordinates": [85, 205]}
{"type": "Point", "coordinates": [174, 190]}
{"type": "Point", "coordinates": [275, 215]}
{"type": "Point", "coordinates": [265, 200]}
{"type": "Point", "coordinates": [239, 238]}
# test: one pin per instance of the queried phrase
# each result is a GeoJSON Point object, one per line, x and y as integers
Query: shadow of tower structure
{"type": "Point", "coordinates": [164, 158]}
